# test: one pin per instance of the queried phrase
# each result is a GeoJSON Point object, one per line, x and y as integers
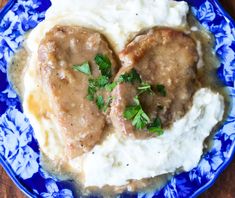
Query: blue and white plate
{"type": "Point", "coordinates": [19, 152]}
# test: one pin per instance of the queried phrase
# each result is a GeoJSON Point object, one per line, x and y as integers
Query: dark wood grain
{"type": "Point", "coordinates": [2, 3]}
{"type": "Point", "coordinates": [229, 6]}
{"type": "Point", "coordinates": [224, 187]}
{"type": "Point", "coordinates": [8, 188]}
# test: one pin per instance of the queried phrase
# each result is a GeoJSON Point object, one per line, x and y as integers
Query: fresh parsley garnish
{"type": "Point", "coordinates": [84, 68]}
{"type": "Point", "coordinates": [102, 81]}
{"type": "Point", "coordinates": [131, 77]}
{"type": "Point", "coordinates": [135, 113]}
{"type": "Point", "coordinates": [145, 87]}
{"type": "Point", "coordinates": [131, 111]}
{"type": "Point", "coordinates": [161, 89]}
{"type": "Point", "coordinates": [156, 127]}
{"type": "Point", "coordinates": [134, 76]}
{"type": "Point", "coordinates": [92, 88]}
{"type": "Point", "coordinates": [90, 97]}
{"type": "Point", "coordinates": [100, 102]}
{"type": "Point", "coordinates": [108, 102]}
{"type": "Point", "coordinates": [140, 120]}
{"type": "Point", "coordinates": [94, 85]}
{"type": "Point", "coordinates": [104, 65]}
{"type": "Point", "coordinates": [109, 87]}
{"type": "Point", "coordinates": [136, 100]}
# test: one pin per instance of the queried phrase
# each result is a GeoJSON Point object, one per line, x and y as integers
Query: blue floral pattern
{"type": "Point", "coordinates": [19, 152]}
{"type": "Point", "coordinates": [53, 191]}
{"type": "Point", "coordinates": [15, 134]}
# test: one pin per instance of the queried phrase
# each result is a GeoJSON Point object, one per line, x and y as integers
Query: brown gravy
{"type": "Point", "coordinates": [206, 74]}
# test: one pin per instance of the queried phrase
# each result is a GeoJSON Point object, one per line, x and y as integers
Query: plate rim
{"type": "Point", "coordinates": [231, 157]}
{"type": "Point", "coordinates": [198, 192]}
{"type": "Point", "coordinates": [4, 164]}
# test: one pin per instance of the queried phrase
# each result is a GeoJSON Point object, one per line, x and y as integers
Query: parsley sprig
{"type": "Point", "coordinates": [156, 127]}
{"type": "Point", "coordinates": [84, 68]}
{"type": "Point", "coordinates": [135, 113]}
{"type": "Point", "coordinates": [95, 84]}
{"type": "Point", "coordinates": [110, 86]}
{"type": "Point", "coordinates": [144, 87]}
{"type": "Point", "coordinates": [108, 102]}
{"type": "Point", "coordinates": [102, 81]}
{"type": "Point", "coordinates": [92, 89]}
{"type": "Point", "coordinates": [140, 119]}
{"type": "Point", "coordinates": [104, 65]}
{"type": "Point", "coordinates": [102, 104]}
{"type": "Point", "coordinates": [130, 77]}
{"type": "Point", "coordinates": [161, 89]}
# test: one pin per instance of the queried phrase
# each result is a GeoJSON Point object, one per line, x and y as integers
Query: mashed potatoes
{"type": "Point", "coordinates": [120, 158]}
{"type": "Point", "coordinates": [118, 20]}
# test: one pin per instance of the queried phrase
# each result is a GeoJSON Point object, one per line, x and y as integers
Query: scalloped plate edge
{"type": "Point", "coordinates": [206, 186]}
{"type": "Point", "coordinates": [230, 158]}
{"type": "Point", "coordinates": [4, 164]}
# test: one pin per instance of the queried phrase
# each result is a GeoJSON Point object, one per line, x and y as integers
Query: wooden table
{"type": "Point", "coordinates": [224, 187]}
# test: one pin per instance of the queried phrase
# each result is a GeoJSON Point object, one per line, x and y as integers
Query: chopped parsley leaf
{"type": "Point", "coordinates": [161, 89]}
{"type": "Point", "coordinates": [156, 127]}
{"type": "Point", "coordinates": [135, 113]}
{"type": "Point", "coordinates": [131, 77]}
{"type": "Point", "coordinates": [123, 78]}
{"type": "Point", "coordinates": [134, 76]}
{"type": "Point", "coordinates": [140, 120]}
{"type": "Point", "coordinates": [90, 97]}
{"type": "Point", "coordinates": [145, 87]}
{"type": "Point", "coordinates": [101, 81]}
{"type": "Point", "coordinates": [136, 100]}
{"type": "Point", "coordinates": [104, 65]}
{"type": "Point", "coordinates": [108, 102]}
{"type": "Point", "coordinates": [84, 68]}
{"type": "Point", "coordinates": [92, 88]}
{"type": "Point", "coordinates": [131, 112]}
{"type": "Point", "coordinates": [94, 85]}
{"type": "Point", "coordinates": [100, 102]}
{"type": "Point", "coordinates": [109, 87]}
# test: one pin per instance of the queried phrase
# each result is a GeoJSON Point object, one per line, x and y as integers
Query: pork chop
{"type": "Point", "coordinates": [79, 120]}
{"type": "Point", "coordinates": [162, 57]}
